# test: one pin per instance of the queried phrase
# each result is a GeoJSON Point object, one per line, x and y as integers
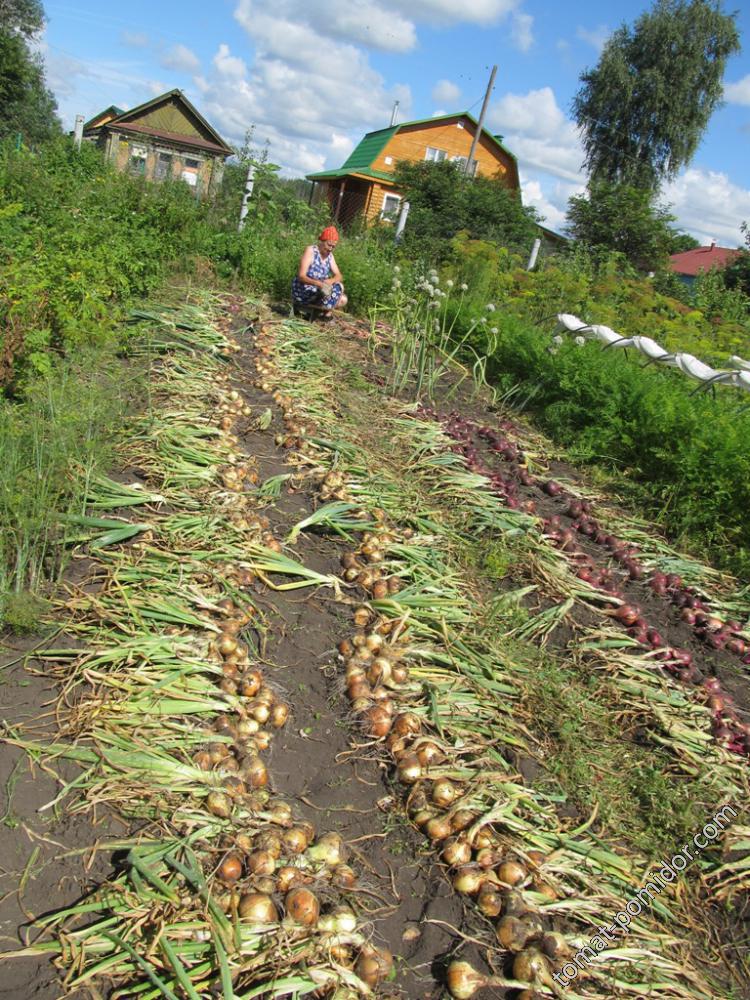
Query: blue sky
{"type": "Point", "coordinates": [312, 76]}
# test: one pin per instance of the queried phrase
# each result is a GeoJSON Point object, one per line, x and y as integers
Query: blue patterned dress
{"type": "Point", "coordinates": [311, 295]}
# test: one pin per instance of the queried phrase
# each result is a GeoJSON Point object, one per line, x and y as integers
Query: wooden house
{"type": "Point", "coordinates": [364, 186]}
{"type": "Point", "coordinates": [165, 137]}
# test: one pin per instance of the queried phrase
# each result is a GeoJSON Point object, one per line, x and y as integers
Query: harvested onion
{"type": "Point", "coordinates": [258, 908]}
{"type": "Point", "coordinates": [302, 907]}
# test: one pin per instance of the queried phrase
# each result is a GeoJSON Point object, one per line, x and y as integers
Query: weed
{"type": "Point", "coordinates": [23, 612]}
{"type": "Point", "coordinates": [589, 758]}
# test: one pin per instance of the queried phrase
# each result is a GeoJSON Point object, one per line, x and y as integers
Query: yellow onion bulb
{"type": "Point", "coordinates": [444, 792]}
{"type": "Point", "coordinates": [463, 980]}
{"type": "Point", "coordinates": [255, 773]}
{"type": "Point", "coordinates": [258, 908]}
{"type": "Point", "coordinates": [456, 852]}
{"type": "Point", "coordinates": [377, 721]}
{"type": "Point", "coordinates": [328, 849]}
{"type": "Point", "coordinates": [513, 934]}
{"type": "Point", "coordinates": [530, 966]}
{"type": "Point", "coordinates": [374, 965]}
{"type": "Point", "coordinates": [409, 769]}
{"type": "Point", "coordinates": [230, 868]}
{"type": "Point", "coordinates": [438, 828]}
{"type": "Point", "coordinates": [261, 863]}
{"type": "Point", "coordinates": [407, 724]}
{"type": "Point", "coordinates": [511, 873]}
{"type": "Point", "coordinates": [469, 879]}
{"type": "Point", "coordinates": [344, 877]}
{"type": "Point", "coordinates": [219, 804]}
{"type": "Point", "coordinates": [268, 840]}
{"type": "Point", "coordinates": [294, 840]}
{"type": "Point", "coordinates": [302, 907]}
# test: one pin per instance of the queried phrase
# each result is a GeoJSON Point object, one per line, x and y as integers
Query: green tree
{"type": "Point", "coordinates": [644, 108]}
{"type": "Point", "coordinates": [625, 219]}
{"type": "Point", "coordinates": [443, 202]}
{"type": "Point", "coordinates": [26, 105]}
{"type": "Point", "coordinates": [25, 17]}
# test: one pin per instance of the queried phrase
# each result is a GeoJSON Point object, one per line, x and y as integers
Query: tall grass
{"type": "Point", "coordinates": [66, 423]}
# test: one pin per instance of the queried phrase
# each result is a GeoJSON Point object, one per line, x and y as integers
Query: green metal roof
{"type": "Point", "coordinates": [331, 175]}
{"type": "Point", "coordinates": [373, 144]}
{"type": "Point", "coordinates": [369, 148]}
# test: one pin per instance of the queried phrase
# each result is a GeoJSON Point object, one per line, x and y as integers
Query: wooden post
{"type": "Point", "coordinates": [534, 255]}
{"type": "Point", "coordinates": [401, 224]}
{"type": "Point", "coordinates": [78, 132]}
{"type": "Point", "coordinates": [480, 123]}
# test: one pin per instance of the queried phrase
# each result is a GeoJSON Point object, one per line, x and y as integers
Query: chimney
{"type": "Point", "coordinates": [713, 244]}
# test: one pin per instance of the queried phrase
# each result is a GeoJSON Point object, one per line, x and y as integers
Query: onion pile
{"type": "Point", "coordinates": [715, 633]}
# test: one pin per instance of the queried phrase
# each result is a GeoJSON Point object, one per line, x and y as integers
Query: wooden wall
{"type": "Point", "coordinates": [411, 144]}
{"type": "Point", "coordinates": [208, 173]}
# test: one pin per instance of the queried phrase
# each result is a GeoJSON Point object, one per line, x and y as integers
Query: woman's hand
{"type": "Point", "coordinates": [326, 288]}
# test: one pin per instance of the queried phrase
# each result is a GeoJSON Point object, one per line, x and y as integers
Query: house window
{"type": "Point", "coordinates": [461, 161]}
{"type": "Point", "coordinates": [163, 166]}
{"type": "Point", "coordinates": [137, 161]}
{"type": "Point", "coordinates": [435, 155]}
{"type": "Point", "coordinates": [190, 170]}
{"type": "Point", "coordinates": [388, 160]}
{"type": "Point", "coordinates": [391, 207]}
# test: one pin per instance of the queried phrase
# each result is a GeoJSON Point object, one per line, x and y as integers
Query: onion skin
{"type": "Point", "coordinates": [219, 804]}
{"type": "Point", "coordinates": [463, 980]}
{"type": "Point", "coordinates": [258, 908]}
{"type": "Point", "coordinates": [513, 934]}
{"type": "Point", "coordinates": [230, 869]}
{"type": "Point", "coordinates": [511, 873]}
{"type": "Point", "coordinates": [374, 965]}
{"type": "Point", "coordinates": [302, 907]}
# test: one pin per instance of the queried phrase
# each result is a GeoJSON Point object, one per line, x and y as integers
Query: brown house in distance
{"type": "Point", "coordinates": [364, 186]}
{"type": "Point", "coordinates": [165, 137]}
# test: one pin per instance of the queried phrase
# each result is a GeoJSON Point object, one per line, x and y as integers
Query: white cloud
{"type": "Point", "coordinates": [180, 58]}
{"type": "Point", "coordinates": [229, 65]}
{"type": "Point", "coordinates": [739, 92]}
{"type": "Point", "coordinates": [136, 39]}
{"type": "Point", "coordinates": [445, 92]}
{"type": "Point", "coordinates": [521, 31]}
{"type": "Point", "coordinates": [447, 11]}
{"type": "Point", "coordinates": [533, 195]}
{"type": "Point", "coordinates": [709, 206]}
{"type": "Point", "coordinates": [538, 133]}
{"type": "Point", "coordinates": [309, 93]}
{"type": "Point", "coordinates": [595, 37]}
{"type": "Point", "coordinates": [157, 87]}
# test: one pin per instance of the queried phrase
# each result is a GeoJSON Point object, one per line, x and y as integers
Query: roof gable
{"type": "Point", "coordinates": [172, 114]}
{"type": "Point", "coordinates": [104, 116]}
{"type": "Point", "coordinates": [368, 149]}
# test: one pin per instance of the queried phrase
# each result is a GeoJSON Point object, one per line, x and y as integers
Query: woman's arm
{"type": "Point", "coordinates": [304, 264]}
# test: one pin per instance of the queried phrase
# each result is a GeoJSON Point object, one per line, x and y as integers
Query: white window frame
{"type": "Point", "coordinates": [462, 161]}
{"type": "Point", "coordinates": [438, 155]}
{"type": "Point", "coordinates": [387, 216]}
{"type": "Point", "coordinates": [137, 157]}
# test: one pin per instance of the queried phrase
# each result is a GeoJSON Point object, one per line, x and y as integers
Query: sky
{"type": "Point", "coordinates": [311, 77]}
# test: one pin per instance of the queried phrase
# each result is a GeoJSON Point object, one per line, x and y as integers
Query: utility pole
{"type": "Point", "coordinates": [247, 195]}
{"type": "Point", "coordinates": [482, 113]}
